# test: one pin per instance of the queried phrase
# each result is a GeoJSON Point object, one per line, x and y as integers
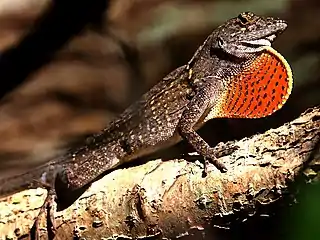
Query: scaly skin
{"type": "Point", "coordinates": [234, 74]}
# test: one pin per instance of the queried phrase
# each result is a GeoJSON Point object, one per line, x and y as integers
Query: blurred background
{"type": "Point", "coordinates": [67, 68]}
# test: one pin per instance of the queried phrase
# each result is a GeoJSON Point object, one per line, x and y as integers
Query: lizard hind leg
{"type": "Point", "coordinates": [48, 209]}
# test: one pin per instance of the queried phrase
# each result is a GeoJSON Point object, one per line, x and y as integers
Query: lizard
{"type": "Point", "coordinates": [235, 73]}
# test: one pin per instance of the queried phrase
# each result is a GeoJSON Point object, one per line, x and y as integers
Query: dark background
{"type": "Point", "coordinates": [67, 68]}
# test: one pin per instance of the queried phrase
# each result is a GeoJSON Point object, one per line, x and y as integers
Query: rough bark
{"type": "Point", "coordinates": [172, 198]}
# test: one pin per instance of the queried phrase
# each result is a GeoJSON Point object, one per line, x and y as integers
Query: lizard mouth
{"type": "Point", "coordinates": [261, 42]}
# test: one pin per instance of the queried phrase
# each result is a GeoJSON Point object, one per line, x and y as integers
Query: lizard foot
{"type": "Point", "coordinates": [219, 165]}
{"type": "Point", "coordinates": [219, 151]}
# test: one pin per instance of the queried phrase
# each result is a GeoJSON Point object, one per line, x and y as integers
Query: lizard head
{"type": "Point", "coordinates": [256, 78]}
{"type": "Point", "coordinates": [247, 34]}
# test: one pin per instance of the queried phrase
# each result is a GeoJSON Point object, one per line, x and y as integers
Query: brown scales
{"type": "Point", "coordinates": [261, 89]}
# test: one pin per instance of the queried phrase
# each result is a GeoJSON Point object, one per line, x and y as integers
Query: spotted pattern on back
{"type": "Point", "coordinates": [261, 89]}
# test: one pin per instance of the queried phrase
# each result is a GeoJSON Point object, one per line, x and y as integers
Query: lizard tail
{"type": "Point", "coordinates": [42, 176]}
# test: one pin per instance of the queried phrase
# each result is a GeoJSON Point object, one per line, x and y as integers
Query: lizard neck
{"type": "Point", "coordinates": [219, 65]}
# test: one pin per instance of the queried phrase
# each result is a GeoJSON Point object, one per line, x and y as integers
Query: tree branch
{"type": "Point", "coordinates": [171, 198]}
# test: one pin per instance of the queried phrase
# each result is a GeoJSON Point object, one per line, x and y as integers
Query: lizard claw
{"type": "Point", "coordinates": [215, 153]}
{"type": "Point", "coordinates": [219, 165]}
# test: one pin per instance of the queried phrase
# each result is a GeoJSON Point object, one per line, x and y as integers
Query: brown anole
{"type": "Point", "coordinates": [234, 74]}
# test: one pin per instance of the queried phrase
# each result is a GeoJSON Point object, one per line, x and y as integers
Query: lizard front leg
{"type": "Point", "coordinates": [206, 96]}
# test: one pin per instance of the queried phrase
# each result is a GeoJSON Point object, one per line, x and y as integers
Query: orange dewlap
{"type": "Point", "coordinates": [261, 89]}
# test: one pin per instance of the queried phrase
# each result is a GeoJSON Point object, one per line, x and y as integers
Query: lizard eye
{"type": "Point", "coordinates": [245, 18]}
